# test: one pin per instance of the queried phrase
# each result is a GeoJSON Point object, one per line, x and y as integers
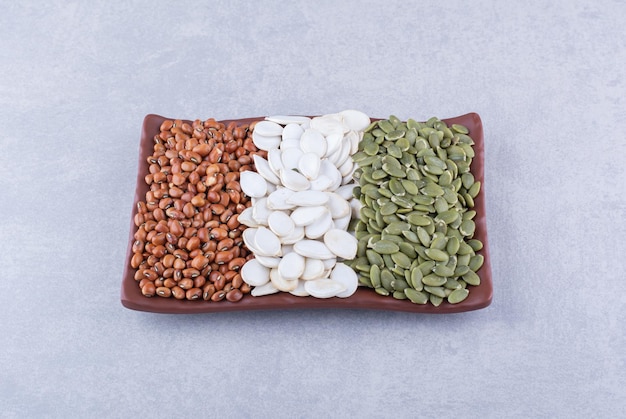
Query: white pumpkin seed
{"type": "Point", "coordinates": [345, 153]}
{"type": "Point", "coordinates": [335, 156]}
{"type": "Point", "coordinates": [309, 165]}
{"type": "Point", "coordinates": [282, 284]}
{"type": "Point", "coordinates": [254, 273]}
{"type": "Point", "coordinates": [303, 216]}
{"type": "Point", "coordinates": [292, 132]}
{"type": "Point", "coordinates": [333, 142]}
{"type": "Point", "coordinates": [313, 249]}
{"type": "Point", "coordinates": [342, 223]}
{"type": "Point", "coordinates": [280, 223]}
{"type": "Point", "coordinates": [329, 170]}
{"type": "Point", "coordinates": [354, 142]}
{"type": "Point", "coordinates": [346, 168]}
{"type": "Point", "coordinates": [355, 120]}
{"type": "Point", "coordinates": [323, 288]}
{"type": "Point", "coordinates": [264, 169]}
{"type": "Point", "coordinates": [346, 191]}
{"type": "Point", "coordinates": [291, 157]}
{"type": "Point", "coordinates": [263, 142]}
{"type": "Point", "coordinates": [319, 227]}
{"type": "Point", "coordinates": [245, 218]}
{"type": "Point", "coordinates": [300, 290]}
{"type": "Point", "coordinates": [260, 212]}
{"type": "Point", "coordinates": [312, 141]}
{"type": "Point", "coordinates": [268, 128]}
{"type": "Point", "coordinates": [274, 160]}
{"type": "Point", "coordinates": [286, 249]}
{"type": "Point", "coordinates": [248, 236]}
{"type": "Point", "coordinates": [322, 183]}
{"type": "Point", "coordinates": [308, 198]}
{"type": "Point", "coordinates": [345, 276]}
{"type": "Point", "coordinates": [265, 289]}
{"type": "Point", "coordinates": [313, 269]}
{"type": "Point", "coordinates": [328, 124]}
{"type": "Point", "coordinates": [291, 266]}
{"type": "Point", "coordinates": [341, 243]}
{"type": "Point", "coordinates": [253, 184]}
{"type": "Point", "coordinates": [267, 242]}
{"type": "Point", "coordinates": [337, 206]}
{"type": "Point", "coordinates": [295, 236]}
{"type": "Point", "coordinates": [329, 264]}
{"type": "Point", "coordinates": [288, 119]}
{"type": "Point", "coordinates": [290, 143]}
{"type": "Point", "coordinates": [277, 200]}
{"type": "Point", "coordinates": [355, 206]}
{"type": "Point", "coordinates": [267, 261]}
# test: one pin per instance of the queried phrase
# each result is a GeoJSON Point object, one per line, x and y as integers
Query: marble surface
{"type": "Point", "coordinates": [547, 78]}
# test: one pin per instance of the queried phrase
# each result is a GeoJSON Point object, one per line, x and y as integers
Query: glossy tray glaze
{"type": "Point", "coordinates": [364, 298]}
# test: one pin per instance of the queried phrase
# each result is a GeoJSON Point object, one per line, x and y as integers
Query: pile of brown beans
{"type": "Point", "coordinates": [188, 242]}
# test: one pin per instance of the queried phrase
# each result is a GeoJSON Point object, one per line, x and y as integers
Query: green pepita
{"type": "Point", "coordinates": [411, 236]}
{"type": "Point", "coordinates": [375, 276]}
{"type": "Point", "coordinates": [448, 216]}
{"type": "Point", "coordinates": [475, 244]}
{"type": "Point", "coordinates": [471, 278]}
{"type": "Point", "coordinates": [432, 189]}
{"type": "Point", "coordinates": [437, 255]}
{"type": "Point", "coordinates": [401, 260]}
{"type": "Point", "coordinates": [396, 187]}
{"type": "Point", "coordinates": [461, 129]}
{"type": "Point", "coordinates": [385, 247]}
{"type": "Point", "coordinates": [467, 228]}
{"type": "Point", "coordinates": [365, 281]}
{"type": "Point", "coordinates": [452, 284]}
{"type": "Point", "coordinates": [371, 148]}
{"type": "Point", "coordinates": [408, 249]}
{"type": "Point", "coordinates": [453, 245]}
{"type": "Point", "coordinates": [399, 284]}
{"type": "Point", "coordinates": [439, 242]}
{"type": "Point", "coordinates": [386, 278]}
{"type": "Point", "coordinates": [443, 270]}
{"type": "Point", "coordinates": [467, 179]}
{"type": "Point", "coordinates": [373, 258]}
{"type": "Point", "coordinates": [399, 295]}
{"type": "Point", "coordinates": [423, 236]}
{"type": "Point", "coordinates": [394, 150]}
{"type": "Point", "coordinates": [476, 262]}
{"type": "Point", "coordinates": [417, 297]}
{"type": "Point", "coordinates": [418, 219]}
{"type": "Point", "coordinates": [461, 270]}
{"type": "Point", "coordinates": [458, 295]}
{"type": "Point", "coordinates": [433, 280]}
{"type": "Point", "coordinates": [438, 291]}
{"type": "Point", "coordinates": [474, 189]}
{"type": "Point", "coordinates": [388, 208]}
{"type": "Point", "coordinates": [416, 278]}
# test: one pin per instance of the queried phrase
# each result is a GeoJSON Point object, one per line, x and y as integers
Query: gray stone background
{"type": "Point", "coordinates": [547, 78]}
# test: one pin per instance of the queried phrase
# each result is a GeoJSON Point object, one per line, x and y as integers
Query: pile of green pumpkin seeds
{"type": "Point", "coordinates": [416, 228]}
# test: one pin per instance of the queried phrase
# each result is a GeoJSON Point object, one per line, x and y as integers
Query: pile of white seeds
{"type": "Point", "coordinates": [302, 204]}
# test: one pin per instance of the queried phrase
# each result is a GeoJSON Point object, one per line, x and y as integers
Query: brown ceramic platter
{"type": "Point", "coordinates": [364, 298]}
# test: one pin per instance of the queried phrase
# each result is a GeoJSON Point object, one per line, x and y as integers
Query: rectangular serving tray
{"type": "Point", "coordinates": [364, 298]}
